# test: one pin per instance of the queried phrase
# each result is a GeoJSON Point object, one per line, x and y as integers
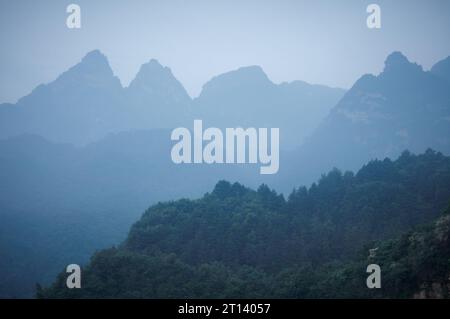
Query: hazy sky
{"type": "Point", "coordinates": [324, 42]}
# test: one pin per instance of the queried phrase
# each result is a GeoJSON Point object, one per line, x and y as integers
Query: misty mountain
{"type": "Point", "coordinates": [247, 98]}
{"type": "Point", "coordinates": [82, 104]}
{"type": "Point", "coordinates": [404, 107]}
{"type": "Point", "coordinates": [59, 203]}
{"type": "Point", "coordinates": [157, 98]}
{"type": "Point", "coordinates": [442, 69]}
{"type": "Point", "coordinates": [87, 102]}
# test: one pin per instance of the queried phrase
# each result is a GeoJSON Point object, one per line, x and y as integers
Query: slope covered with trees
{"type": "Point", "coordinates": [237, 242]}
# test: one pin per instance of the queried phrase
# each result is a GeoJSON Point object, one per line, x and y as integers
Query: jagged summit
{"type": "Point", "coordinates": [94, 62]}
{"type": "Point", "coordinates": [152, 73]}
{"type": "Point", "coordinates": [154, 66]}
{"type": "Point", "coordinates": [93, 70]}
{"type": "Point", "coordinates": [397, 62]}
{"type": "Point", "coordinates": [155, 81]}
{"type": "Point", "coordinates": [397, 69]}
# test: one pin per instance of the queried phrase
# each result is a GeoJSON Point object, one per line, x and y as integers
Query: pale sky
{"type": "Point", "coordinates": [324, 42]}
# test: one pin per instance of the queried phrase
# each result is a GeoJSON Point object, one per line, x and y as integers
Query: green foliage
{"type": "Point", "coordinates": [239, 243]}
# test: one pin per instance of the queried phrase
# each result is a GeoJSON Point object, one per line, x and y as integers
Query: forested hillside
{"type": "Point", "coordinates": [237, 242]}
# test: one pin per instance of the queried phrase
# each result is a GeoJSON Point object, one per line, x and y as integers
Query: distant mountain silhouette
{"type": "Point", "coordinates": [442, 69]}
{"type": "Point", "coordinates": [402, 108]}
{"type": "Point", "coordinates": [157, 97]}
{"type": "Point", "coordinates": [82, 104]}
{"type": "Point", "coordinates": [247, 98]}
{"type": "Point", "coordinates": [87, 102]}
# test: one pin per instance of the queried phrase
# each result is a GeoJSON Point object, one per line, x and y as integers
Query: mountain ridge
{"type": "Point", "coordinates": [404, 107]}
{"type": "Point", "coordinates": [87, 102]}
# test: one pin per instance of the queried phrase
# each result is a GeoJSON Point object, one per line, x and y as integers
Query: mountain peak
{"type": "Point", "coordinates": [95, 56]}
{"type": "Point", "coordinates": [153, 74]}
{"type": "Point", "coordinates": [246, 74]}
{"type": "Point", "coordinates": [95, 62]}
{"type": "Point", "coordinates": [396, 57]}
{"type": "Point", "coordinates": [397, 62]}
{"type": "Point", "coordinates": [154, 64]}
{"type": "Point", "coordinates": [154, 79]}
{"type": "Point", "coordinates": [241, 79]}
{"type": "Point", "coordinates": [442, 69]}
{"type": "Point", "coordinates": [151, 69]}
{"type": "Point", "coordinates": [251, 72]}
{"type": "Point", "coordinates": [93, 70]}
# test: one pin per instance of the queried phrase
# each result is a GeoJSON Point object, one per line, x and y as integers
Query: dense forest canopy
{"type": "Point", "coordinates": [238, 242]}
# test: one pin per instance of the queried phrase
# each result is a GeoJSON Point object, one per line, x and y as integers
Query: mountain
{"type": "Point", "coordinates": [60, 203]}
{"type": "Point", "coordinates": [158, 97]}
{"type": "Point", "coordinates": [247, 98]}
{"type": "Point", "coordinates": [239, 243]}
{"type": "Point", "coordinates": [87, 102]}
{"type": "Point", "coordinates": [404, 107]}
{"type": "Point", "coordinates": [80, 105]}
{"type": "Point", "coordinates": [442, 69]}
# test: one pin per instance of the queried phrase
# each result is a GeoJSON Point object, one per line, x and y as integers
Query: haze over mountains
{"type": "Point", "coordinates": [247, 98]}
{"type": "Point", "coordinates": [404, 107]}
{"type": "Point", "coordinates": [87, 102]}
{"type": "Point", "coordinates": [90, 193]}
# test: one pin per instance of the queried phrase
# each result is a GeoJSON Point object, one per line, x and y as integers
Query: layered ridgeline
{"type": "Point", "coordinates": [404, 107]}
{"type": "Point", "coordinates": [247, 98]}
{"type": "Point", "coordinates": [87, 102]}
{"type": "Point", "coordinates": [59, 203]}
{"type": "Point", "coordinates": [236, 242]}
